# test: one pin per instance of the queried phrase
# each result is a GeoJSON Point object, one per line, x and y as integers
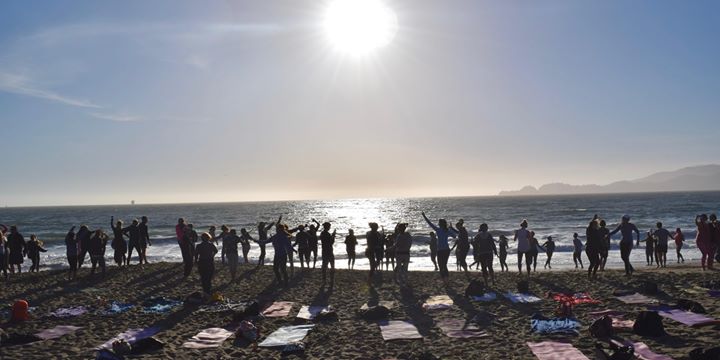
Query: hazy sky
{"type": "Point", "coordinates": [173, 101]}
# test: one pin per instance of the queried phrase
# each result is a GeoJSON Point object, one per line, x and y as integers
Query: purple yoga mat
{"type": "Point", "coordinates": [684, 317]}
{"type": "Point", "coordinates": [551, 350]}
{"type": "Point", "coordinates": [57, 332]}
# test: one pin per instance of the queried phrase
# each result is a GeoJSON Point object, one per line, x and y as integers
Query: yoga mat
{"type": "Point", "coordinates": [576, 299]}
{"type": "Point", "coordinates": [278, 309]}
{"type": "Point", "coordinates": [601, 313]}
{"type": "Point", "coordinates": [643, 352]}
{"type": "Point", "coordinates": [685, 317]}
{"type": "Point", "coordinates": [286, 335]}
{"type": "Point", "coordinates": [116, 308]}
{"type": "Point", "coordinates": [69, 312]}
{"type": "Point", "coordinates": [438, 302]}
{"type": "Point", "coordinates": [491, 296]}
{"type": "Point", "coordinates": [521, 298]}
{"type": "Point", "coordinates": [311, 312]}
{"type": "Point", "coordinates": [398, 330]}
{"type": "Point", "coordinates": [386, 304]}
{"type": "Point", "coordinates": [551, 350]}
{"type": "Point", "coordinates": [160, 305]}
{"type": "Point", "coordinates": [457, 328]}
{"type": "Point", "coordinates": [131, 336]}
{"type": "Point", "coordinates": [208, 338]}
{"type": "Point", "coordinates": [57, 332]}
{"type": "Point", "coordinates": [636, 299]}
{"type": "Point", "coordinates": [555, 326]}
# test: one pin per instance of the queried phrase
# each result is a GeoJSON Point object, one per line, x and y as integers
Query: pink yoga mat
{"type": "Point", "coordinates": [208, 338]}
{"type": "Point", "coordinates": [685, 317]}
{"type": "Point", "coordinates": [551, 350]}
{"type": "Point", "coordinates": [278, 309]}
{"type": "Point", "coordinates": [643, 352]}
{"type": "Point", "coordinates": [398, 330]}
{"type": "Point", "coordinates": [457, 328]}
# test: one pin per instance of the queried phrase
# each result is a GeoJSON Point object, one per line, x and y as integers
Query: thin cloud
{"type": "Point", "coordinates": [115, 117]}
{"type": "Point", "coordinates": [19, 85]}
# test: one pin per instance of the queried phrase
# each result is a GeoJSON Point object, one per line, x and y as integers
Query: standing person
{"type": "Point", "coordinates": [390, 250]}
{"type": "Point", "coordinates": [593, 246]}
{"type": "Point", "coordinates": [443, 233]}
{"type": "Point", "coordinates": [703, 240]}
{"type": "Point", "coordinates": [476, 255]}
{"type": "Point", "coordinates": [83, 235]}
{"type": "Point", "coordinates": [97, 245]}
{"type": "Point", "coordinates": [433, 249]}
{"type": "Point", "coordinates": [350, 244]}
{"type": "Point", "coordinates": [679, 239]}
{"type": "Point", "coordinates": [224, 231]}
{"type": "Point", "coordinates": [577, 251]}
{"type": "Point", "coordinates": [662, 236]}
{"type": "Point", "coordinates": [262, 240]}
{"type": "Point", "coordinates": [462, 244]}
{"type": "Point", "coordinates": [3, 251]}
{"type": "Point", "coordinates": [282, 247]}
{"type": "Point", "coordinates": [185, 248]}
{"type": "Point", "coordinates": [191, 238]}
{"type": "Point", "coordinates": [34, 248]}
{"type": "Point", "coordinates": [118, 243]}
{"type": "Point", "coordinates": [211, 232]}
{"type": "Point", "coordinates": [205, 259]}
{"type": "Point", "coordinates": [144, 239]}
{"type": "Point", "coordinates": [403, 243]}
{"type": "Point", "coordinates": [327, 240]}
{"type": "Point", "coordinates": [626, 229]}
{"type": "Point", "coordinates": [503, 247]}
{"type": "Point", "coordinates": [72, 251]}
{"type": "Point", "coordinates": [605, 250]}
{"type": "Point", "coordinates": [485, 247]}
{"type": "Point", "coordinates": [313, 240]}
{"type": "Point", "coordinates": [374, 240]}
{"type": "Point", "coordinates": [230, 251]}
{"type": "Point", "coordinates": [133, 234]}
{"type": "Point", "coordinates": [245, 237]}
{"type": "Point", "coordinates": [522, 236]}
{"type": "Point", "coordinates": [16, 249]}
{"type": "Point", "coordinates": [533, 251]}
{"type": "Point", "coordinates": [649, 248]}
{"type": "Point", "coordinates": [549, 247]}
{"type": "Point", "coordinates": [715, 235]}
{"type": "Point", "coordinates": [302, 240]}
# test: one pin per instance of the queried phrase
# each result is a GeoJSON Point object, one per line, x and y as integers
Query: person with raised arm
{"type": "Point", "coordinates": [443, 233]}
{"type": "Point", "coordinates": [522, 237]}
{"type": "Point", "coordinates": [72, 251]}
{"type": "Point", "coordinates": [34, 248]}
{"type": "Point", "coordinates": [350, 244]}
{"type": "Point", "coordinates": [626, 229]}
{"type": "Point", "coordinates": [703, 240]}
{"type": "Point", "coordinates": [327, 240]}
{"type": "Point", "coordinates": [262, 240]}
{"type": "Point", "coordinates": [549, 247]}
{"type": "Point", "coordinates": [205, 259]}
{"type": "Point", "coordinates": [118, 243]}
{"type": "Point", "coordinates": [313, 240]}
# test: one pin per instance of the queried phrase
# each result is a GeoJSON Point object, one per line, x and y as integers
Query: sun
{"type": "Point", "coordinates": [359, 27]}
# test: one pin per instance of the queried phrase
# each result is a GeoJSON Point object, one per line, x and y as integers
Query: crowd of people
{"type": "Point", "coordinates": [392, 248]}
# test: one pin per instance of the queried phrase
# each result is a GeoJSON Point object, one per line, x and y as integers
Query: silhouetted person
{"type": "Point", "coordinates": [34, 248]}
{"type": "Point", "coordinates": [661, 236]}
{"type": "Point", "coordinates": [522, 236]}
{"type": "Point", "coordinates": [703, 240]}
{"type": "Point", "coordinates": [302, 240]}
{"type": "Point", "coordinates": [626, 229]}
{"type": "Point", "coordinates": [118, 243]}
{"type": "Point", "coordinates": [182, 232]}
{"type": "Point", "coordinates": [350, 244]}
{"type": "Point", "coordinates": [144, 239]}
{"type": "Point", "coordinates": [485, 247]}
{"type": "Point", "coordinates": [403, 243]}
{"type": "Point", "coordinates": [328, 258]}
{"type": "Point", "coordinates": [97, 245]}
{"type": "Point", "coordinates": [3, 251]}
{"type": "Point", "coordinates": [577, 251]}
{"type": "Point", "coordinates": [593, 245]}
{"type": "Point", "coordinates": [462, 245]}
{"type": "Point", "coordinates": [390, 251]}
{"type": "Point", "coordinates": [72, 251]}
{"type": "Point", "coordinates": [502, 253]}
{"type": "Point", "coordinates": [263, 239]}
{"type": "Point", "coordinates": [549, 247]}
{"type": "Point", "coordinates": [205, 259]}
{"type": "Point", "coordinates": [443, 233]}
{"type": "Point", "coordinates": [83, 235]}
{"type": "Point", "coordinates": [534, 250]}
{"type": "Point", "coordinates": [374, 248]}
{"type": "Point", "coordinates": [433, 249]}
{"type": "Point", "coordinates": [281, 246]}
{"type": "Point", "coordinates": [230, 251]}
{"type": "Point", "coordinates": [649, 248]}
{"type": "Point", "coordinates": [605, 250]}
{"type": "Point", "coordinates": [245, 237]}
{"type": "Point", "coordinates": [133, 234]}
{"type": "Point", "coordinates": [16, 249]}
{"type": "Point", "coordinates": [679, 240]}
{"type": "Point", "coordinates": [313, 240]}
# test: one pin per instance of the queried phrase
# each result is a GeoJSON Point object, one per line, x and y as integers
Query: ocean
{"type": "Point", "coordinates": [556, 216]}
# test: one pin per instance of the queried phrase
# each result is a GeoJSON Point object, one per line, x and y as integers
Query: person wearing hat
{"type": "Point", "coordinates": [626, 229]}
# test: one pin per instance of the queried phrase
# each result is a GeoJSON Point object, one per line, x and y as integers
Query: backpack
{"type": "Point", "coordinates": [601, 328]}
{"type": "Point", "coordinates": [690, 305]}
{"type": "Point", "coordinates": [649, 323]}
{"type": "Point", "coordinates": [523, 287]}
{"type": "Point", "coordinates": [475, 288]}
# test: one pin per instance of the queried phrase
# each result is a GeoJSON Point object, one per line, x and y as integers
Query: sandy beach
{"type": "Point", "coordinates": [350, 337]}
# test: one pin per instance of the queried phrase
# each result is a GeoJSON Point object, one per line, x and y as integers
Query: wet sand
{"type": "Point", "coordinates": [507, 324]}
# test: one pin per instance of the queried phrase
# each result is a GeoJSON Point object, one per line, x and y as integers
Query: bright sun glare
{"type": "Point", "coordinates": [358, 27]}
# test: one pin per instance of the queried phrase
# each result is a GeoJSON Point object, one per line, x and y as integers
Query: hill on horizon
{"type": "Point", "coordinates": [693, 178]}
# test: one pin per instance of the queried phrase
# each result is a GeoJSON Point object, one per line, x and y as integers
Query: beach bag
{"type": "Point", "coordinates": [601, 328]}
{"type": "Point", "coordinates": [649, 323]}
{"type": "Point", "coordinates": [250, 308]}
{"type": "Point", "coordinates": [702, 354]}
{"type": "Point", "coordinates": [690, 305]}
{"type": "Point", "coordinates": [121, 347]}
{"type": "Point", "coordinates": [475, 288]}
{"type": "Point", "coordinates": [523, 287]}
{"type": "Point", "coordinates": [648, 288]}
{"type": "Point", "coordinates": [564, 309]}
{"type": "Point", "coordinates": [248, 331]}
